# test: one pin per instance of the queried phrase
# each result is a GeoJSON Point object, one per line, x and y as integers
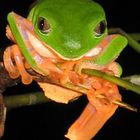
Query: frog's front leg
{"type": "Point", "coordinates": [15, 64]}
{"type": "Point", "coordinates": [99, 109]}
{"type": "Point", "coordinates": [14, 60]}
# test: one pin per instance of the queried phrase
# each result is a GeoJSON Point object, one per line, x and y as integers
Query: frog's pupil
{"type": "Point", "coordinates": [43, 25]}
{"type": "Point", "coordinates": [100, 29]}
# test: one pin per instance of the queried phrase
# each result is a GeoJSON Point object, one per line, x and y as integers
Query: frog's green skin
{"type": "Point", "coordinates": [72, 30]}
{"type": "Point", "coordinates": [72, 24]}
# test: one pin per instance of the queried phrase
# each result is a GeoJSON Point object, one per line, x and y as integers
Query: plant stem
{"type": "Point", "coordinates": [38, 97]}
{"type": "Point", "coordinates": [135, 36]}
{"type": "Point", "coordinates": [116, 80]}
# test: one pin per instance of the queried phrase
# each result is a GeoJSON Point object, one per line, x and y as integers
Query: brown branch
{"type": "Point", "coordinates": [5, 81]}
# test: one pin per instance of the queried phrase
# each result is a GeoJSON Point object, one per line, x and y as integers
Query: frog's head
{"type": "Point", "coordinates": [70, 28]}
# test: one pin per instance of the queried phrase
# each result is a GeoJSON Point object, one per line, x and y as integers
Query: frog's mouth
{"type": "Point", "coordinates": [41, 48]}
{"type": "Point", "coordinates": [46, 51]}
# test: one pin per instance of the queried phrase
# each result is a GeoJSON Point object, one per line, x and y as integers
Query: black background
{"type": "Point", "coordinates": [51, 120]}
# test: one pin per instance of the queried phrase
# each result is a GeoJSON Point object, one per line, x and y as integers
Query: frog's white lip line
{"type": "Point", "coordinates": [45, 50]}
{"type": "Point", "coordinates": [40, 47]}
{"type": "Point", "coordinates": [93, 52]}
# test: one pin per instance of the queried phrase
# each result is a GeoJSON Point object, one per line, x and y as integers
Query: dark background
{"type": "Point", "coordinates": [51, 120]}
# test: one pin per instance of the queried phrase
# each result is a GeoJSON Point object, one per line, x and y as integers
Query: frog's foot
{"type": "Point", "coordinates": [14, 64]}
{"type": "Point", "coordinates": [99, 109]}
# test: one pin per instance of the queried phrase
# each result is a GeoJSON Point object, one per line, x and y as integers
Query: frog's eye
{"type": "Point", "coordinates": [43, 25]}
{"type": "Point", "coordinates": [100, 28]}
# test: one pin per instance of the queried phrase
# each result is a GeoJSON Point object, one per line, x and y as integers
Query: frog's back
{"type": "Point", "coordinates": [72, 5]}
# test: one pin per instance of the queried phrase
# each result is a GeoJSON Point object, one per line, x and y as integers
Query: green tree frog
{"type": "Point", "coordinates": [57, 40]}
